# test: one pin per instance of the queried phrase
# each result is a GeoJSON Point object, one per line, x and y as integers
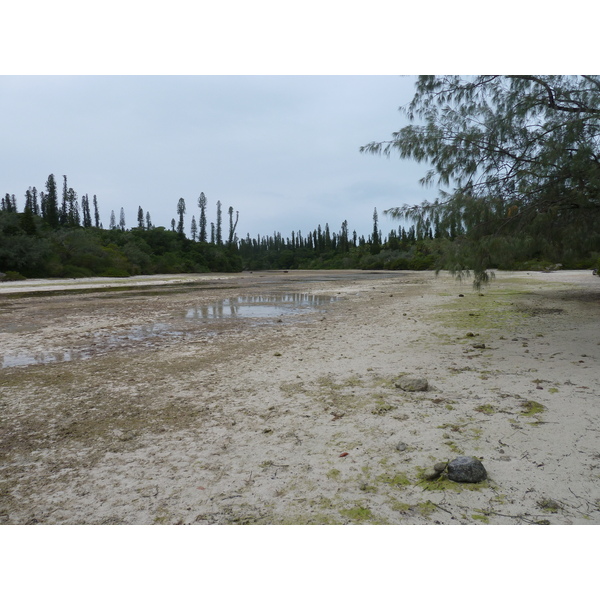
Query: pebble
{"type": "Point", "coordinates": [401, 446]}
{"type": "Point", "coordinates": [412, 384]}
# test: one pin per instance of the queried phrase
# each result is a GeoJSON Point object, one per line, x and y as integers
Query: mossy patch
{"type": "Point", "coordinates": [399, 480]}
{"type": "Point", "coordinates": [333, 474]}
{"type": "Point", "coordinates": [402, 507]}
{"type": "Point", "coordinates": [357, 513]}
{"type": "Point", "coordinates": [452, 445]}
{"type": "Point", "coordinates": [494, 310]}
{"type": "Point", "coordinates": [531, 408]}
{"type": "Point", "coordinates": [354, 381]}
{"type": "Point", "coordinates": [486, 409]}
{"type": "Point", "coordinates": [426, 509]}
{"type": "Point", "coordinates": [481, 517]}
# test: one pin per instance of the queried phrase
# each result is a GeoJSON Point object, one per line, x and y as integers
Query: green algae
{"type": "Point", "coordinates": [358, 513]}
{"type": "Point", "coordinates": [399, 480]}
{"type": "Point", "coordinates": [426, 509]}
{"type": "Point", "coordinates": [531, 408]}
{"type": "Point", "coordinates": [481, 517]}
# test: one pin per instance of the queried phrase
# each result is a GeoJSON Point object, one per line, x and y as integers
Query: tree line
{"type": "Point", "coordinates": [67, 239]}
{"type": "Point", "coordinates": [516, 159]}
{"type": "Point", "coordinates": [63, 236]}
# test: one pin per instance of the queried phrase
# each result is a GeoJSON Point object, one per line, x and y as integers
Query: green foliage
{"type": "Point", "coordinates": [71, 251]}
{"type": "Point", "coordinates": [521, 156]}
{"type": "Point", "coordinates": [20, 251]}
{"type": "Point", "coordinates": [13, 276]}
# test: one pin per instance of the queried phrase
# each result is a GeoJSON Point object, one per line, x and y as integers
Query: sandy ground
{"type": "Point", "coordinates": [270, 398]}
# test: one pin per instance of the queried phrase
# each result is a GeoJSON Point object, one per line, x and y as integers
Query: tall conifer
{"type": "Point", "coordinates": [202, 224]}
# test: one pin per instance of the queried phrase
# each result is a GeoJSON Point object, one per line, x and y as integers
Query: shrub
{"type": "Point", "coordinates": [13, 276]}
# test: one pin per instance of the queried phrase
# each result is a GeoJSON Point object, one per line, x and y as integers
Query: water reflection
{"type": "Point", "coordinates": [261, 306]}
{"type": "Point", "coordinates": [22, 359]}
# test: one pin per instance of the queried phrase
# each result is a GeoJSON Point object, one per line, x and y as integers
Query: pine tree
{"type": "Point", "coordinates": [219, 238]}
{"type": "Point", "coordinates": [96, 213]}
{"type": "Point", "coordinates": [63, 216]}
{"type": "Point", "coordinates": [28, 201]}
{"type": "Point", "coordinates": [344, 237]}
{"type": "Point", "coordinates": [43, 205]}
{"type": "Point", "coordinates": [85, 209]}
{"type": "Point", "coordinates": [113, 220]}
{"type": "Point", "coordinates": [122, 220]}
{"type": "Point", "coordinates": [51, 202]}
{"type": "Point", "coordinates": [232, 225]}
{"type": "Point", "coordinates": [375, 247]}
{"type": "Point", "coordinates": [180, 212]}
{"type": "Point", "coordinates": [194, 229]}
{"type": "Point", "coordinates": [140, 217]}
{"type": "Point", "coordinates": [148, 221]}
{"type": "Point", "coordinates": [73, 217]}
{"type": "Point", "coordinates": [35, 207]}
{"type": "Point", "coordinates": [202, 204]}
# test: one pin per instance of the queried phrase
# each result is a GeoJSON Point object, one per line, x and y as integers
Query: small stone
{"type": "Point", "coordinates": [412, 384]}
{"type": "Point", "coordinates": [440, 467]}
{"type": "Point", "coordinates": [430, 475]}
{"type": "Point", "coordinates": [401, 446]}
{"type": "Point", "coordinates": [478, 346]}
{"type": "Point", "coordinates": [466, 469]}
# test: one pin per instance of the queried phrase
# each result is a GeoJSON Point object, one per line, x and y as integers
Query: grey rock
{"type": "Point", "coordinates": [412, 384]}
{"type": "Point", "coordinates": [401, 446]}
{"type": "Point", "coordinates": [466, 469]}
{"type": "Point", "coordinates": [440, 467]}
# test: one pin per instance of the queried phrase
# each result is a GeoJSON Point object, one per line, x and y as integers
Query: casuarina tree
{"type": "Point", "coordinates": [517, 162]}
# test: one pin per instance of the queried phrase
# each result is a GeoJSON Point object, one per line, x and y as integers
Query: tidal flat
{"type": "Point", "coordinates": [270, 398]}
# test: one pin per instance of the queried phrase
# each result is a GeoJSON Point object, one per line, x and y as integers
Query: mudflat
{"type": "Point", "coordinates": [271, 398]}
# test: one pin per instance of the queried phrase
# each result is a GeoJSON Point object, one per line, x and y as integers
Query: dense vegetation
{"type": "Point", "coordinates": [521, 155]}
{"type": "Point", "coordinates": [48, 239]}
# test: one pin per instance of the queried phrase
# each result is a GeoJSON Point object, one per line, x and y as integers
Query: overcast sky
{"type": "Point", "coordinates": [279, 143]}
{"type": "Point", "coordinates": [281, 150]}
